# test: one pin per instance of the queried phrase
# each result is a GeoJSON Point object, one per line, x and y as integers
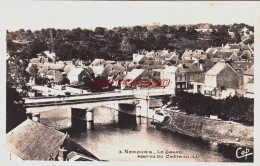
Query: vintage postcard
{"type": "Point", "coordinates": [130, 81]}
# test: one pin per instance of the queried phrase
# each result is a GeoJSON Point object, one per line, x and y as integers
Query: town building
{"type": "Point", "coordinates": [220, 81]}
{"type": "Point", "coordinates": [185, 74]}
{"type": "Point", "coordinates": [77, 75]}
{"type": "Point", "coordinates": [248, 78]}
{"type": "Point", "coordinates": [34, 141]}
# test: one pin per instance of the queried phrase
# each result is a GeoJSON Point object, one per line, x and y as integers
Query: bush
{"type": "Point", "coordinates": [235, 108]}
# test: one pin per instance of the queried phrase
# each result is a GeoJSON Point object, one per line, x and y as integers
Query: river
{"type": "Point", "coordinates": [130, 141]}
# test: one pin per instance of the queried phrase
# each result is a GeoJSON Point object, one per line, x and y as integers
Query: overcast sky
{"type": "Point", "coordinates": [111, 14]}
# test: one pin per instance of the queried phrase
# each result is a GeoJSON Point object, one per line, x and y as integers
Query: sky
{"type": "Point", "coordinates": [68, 15]}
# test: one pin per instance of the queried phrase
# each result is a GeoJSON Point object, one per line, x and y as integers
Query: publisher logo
{"type": "Point", "coordinates": [243, 153]}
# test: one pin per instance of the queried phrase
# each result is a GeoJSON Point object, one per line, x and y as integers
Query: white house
{"type": "Point", "coordinates": [169, 73]}
{"type": "Point", "coordinates": [77, 75]}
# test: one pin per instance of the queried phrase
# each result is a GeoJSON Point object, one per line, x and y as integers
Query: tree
{"type": "Point", "coordinates": [15, 112]}
{"type": "Point", "coordinates": [162, 41]}
{"type": "Point", "coordinates": [100, 31]}
{"type": "Point", "coordinates": [41, 80]}
{"type": "Point", "coordinates": [192, 34]}
{"type": "Point", "coordinates": [66, 51]}
{"type": "Point", "coordinates": [220, 36]}
{"type": "Point", "coordinates": [166, 99]}
{"type": "Point", "coordinates": [237, 37]}
{"type": "Point", "coordinates": [34, 48]}
{"type": "Point", "coordinates": [16, 73]}
{"type": "Point", "coordinates": [33, 70]}
{"type": "Point", "coordinates": [127, 46]}
{"type": "Point", "coordinates": [182, 30]}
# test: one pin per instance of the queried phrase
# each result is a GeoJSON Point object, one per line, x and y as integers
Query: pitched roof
{"type": "Point", "coordinates": [139, 58]}
{"type": "Point", "coordinates": [98, 62]}
{"type": "Point", "coordinates": [76, 71]}
{"type": "Point", "coordinates": [33, 141]}
{"type": "Point", "coordinates": [200, 78]}
{"type": "Point", "coordinates": [42, 70]}
{"type": "Point", "coordinates": [35, 60]}
{"type": "Point", "coordinates": [217, 68]}
{"type": "Point", "coordinates": [120, 76]}
{"type": "Point", "coordinates": [212, 50]}
{"type": "Point", "coordinates": [52, 66]}
{"type": "Point", "coordinates": [188, 68]}
{"type": "Point", "coordinates": [134, 74]}
{"type": "Point", "coordinates": [187, 53]}
{"type": "Point", "coordinates": [67, 68]}
{"type": "Point", "coordinates": [151, 62]}
{"type": "Point", "coordinates": [207, 62]}
{"type": "Point", "coordinates": [51, 72]}
{"type": "Point", "coordinates": [223, 54]}
{"type": "Point", "coordinates": [233, 46]}
{"type": "Point", "coordinates": [170, 69]}
{"type": "Point", "coordinates": [132, 66]}
{"type": "Point", "coordinates": [250, 71]}
{"type": "Point", "coordinates": [244, 65]}
{"type": "Point", "coordinates": [167, 63]}
{"type": "Point", "coordinates": [110, 70]}
{"type": "Point", "coordinates": [236, 66]}
{"type": "Point", "coordinates": [246, 54]}
{"type": "Point", "coordinates": [184, 61]}
{"type": "Point", "coordinates": [116, 69]}
{"type": "Point", "coordinates": [251, 80]}
{"type": "Point", "coordinates": [97, 70]}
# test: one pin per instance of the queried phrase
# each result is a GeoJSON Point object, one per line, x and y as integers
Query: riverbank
{"type": "Point", "coordinates": [216, 131]}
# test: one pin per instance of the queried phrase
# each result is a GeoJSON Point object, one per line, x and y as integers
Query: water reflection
{"type": "Point", "coordinates": [112, 135]}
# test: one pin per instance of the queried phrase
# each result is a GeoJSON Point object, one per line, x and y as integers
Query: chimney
{"type": "Point", "coordinates": [36, 117]}
{"type": "Point", "coordinates": [62, 154]}
{"type": "Point", "coordinates": [29, 115]}
{"type": "Point", "coordinates": [222, 45]}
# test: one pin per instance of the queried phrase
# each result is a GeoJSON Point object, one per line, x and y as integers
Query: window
{"type": "Point", "coordinates": [183, 86]}
{"type": "Point", "coordinates": [213, 93]}
{"type": "Point", "coordinates": [178, 86]}
{"type": "Point", "coordinates": [183, 77]}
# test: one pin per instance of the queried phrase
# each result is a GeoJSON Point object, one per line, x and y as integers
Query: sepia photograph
{"type": "Point", "coordinates": [130, 81]}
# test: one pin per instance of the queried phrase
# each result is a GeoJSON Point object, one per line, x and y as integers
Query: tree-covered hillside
{"type": "Point", "coordinates": [118, 43]}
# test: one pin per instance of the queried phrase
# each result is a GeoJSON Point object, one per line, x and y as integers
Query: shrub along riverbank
{"type": "Point", "coordinates": [192, 120]}
{"type": "Point", "coordinates": [238, 109]}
